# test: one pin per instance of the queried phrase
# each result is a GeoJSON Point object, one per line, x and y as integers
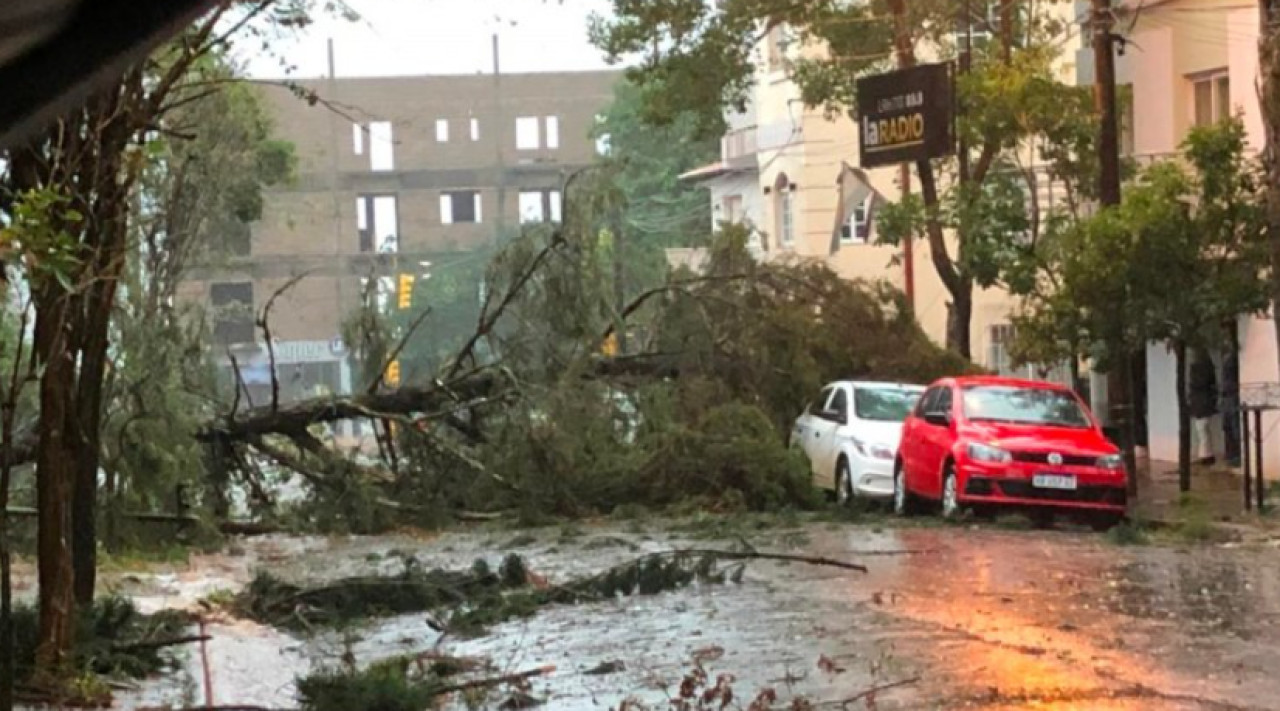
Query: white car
{"type": "Point", "coordinates": [850, 434]}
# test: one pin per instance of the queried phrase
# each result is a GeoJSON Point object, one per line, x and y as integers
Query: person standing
{"type": "Point", "coordinates": [1202, 402]}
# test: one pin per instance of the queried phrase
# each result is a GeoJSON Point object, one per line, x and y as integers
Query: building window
{"type": "Point", "coordinates": [460, 207]}
{"type": "Point", "coordinates": [857, 229]}
{"type": "Point", "coordinates": [378, 223]}
{"type": "Point", "coordinates": [357, 139]}
{"type": "Point", "coordinates": [475, 129]}
{"type": "Point", "coordinates": [784, 210]}
{"type": "Point", "coordinates": [233, 312]}
{"type": "Point", "coordinates": [1212, 98]}
{"type": "Point", "coordinates": [442, 130]}
{"type": "Point", "coordinates": [731, 207]}
{"type": "Point", "coordinates": [527, 133]}
{"type": "Point", "coordinates": [999, 338]}
{"type": "Point", "coordinates": [381, 146]}
{"type": "Point", "coordinates": [537, 205]}
{"type": "Point", "coordinates": [553, 131]}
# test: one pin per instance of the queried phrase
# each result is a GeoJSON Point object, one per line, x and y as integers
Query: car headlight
{"type": "Point", "coordinates": [1114, 462]}
{"type": "Point", "coordinates": [880, 451]}
{"type": "Point", "coordinates": [987, 453]}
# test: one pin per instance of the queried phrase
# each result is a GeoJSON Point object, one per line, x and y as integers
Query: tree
{"type": "Point", "coordinates": [1184, 253]}
{"type": "Point", "coordinates": [650, 208]}
{"type": "Point", "coordinates": [201, 187]}
{"type": "Point", "coordinates": [698, 56]}
{"type": "Point", "coordinates": [94, 157]}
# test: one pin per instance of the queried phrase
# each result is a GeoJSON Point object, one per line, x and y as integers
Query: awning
{"type": "Point", "coordinates": [854, 188]}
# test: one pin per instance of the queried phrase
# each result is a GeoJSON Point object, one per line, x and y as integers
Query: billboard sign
{"type": "Point", "coordinates": [906, 116]}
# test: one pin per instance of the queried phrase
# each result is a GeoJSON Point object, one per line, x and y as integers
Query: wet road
{"type": "Point", "coordinates": [967, 618]}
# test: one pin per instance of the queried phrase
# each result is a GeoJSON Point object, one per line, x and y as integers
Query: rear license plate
{"type": "Point", "coordinates": [1054, 481]}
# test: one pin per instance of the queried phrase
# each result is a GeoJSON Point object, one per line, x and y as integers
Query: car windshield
{"type": "Point", "coordinates": [1019, 405]}
{"type": "Point", "coordinates": [884, 404]}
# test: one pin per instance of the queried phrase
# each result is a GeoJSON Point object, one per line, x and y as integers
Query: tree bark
{"type": "Point", "coordinates": [54, 473]}
{"type": "Point", "coordinates": [1184, 417]}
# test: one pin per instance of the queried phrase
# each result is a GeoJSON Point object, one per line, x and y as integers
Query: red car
{"type": "Point", "coordinates": [984, 443]}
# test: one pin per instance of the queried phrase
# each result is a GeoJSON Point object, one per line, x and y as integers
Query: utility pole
{"type": "Point", "coordinates": [905, 60]}
{"type": "Point", "coordinates": [1104, 97]}
{"type": "Point", "coordinates": [499, 130]}
{"type": "Point", "coordinates": [1269, 98]}
{"type": "Point", "coordinates": [966, 65]}
{"type": "Point", "coordinates": [1120, 378]}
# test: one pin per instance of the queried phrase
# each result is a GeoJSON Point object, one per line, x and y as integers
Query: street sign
{"type": "Point", "coordinates": [906, 116]}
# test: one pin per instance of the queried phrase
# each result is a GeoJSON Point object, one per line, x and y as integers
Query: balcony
{"type": "Point", "coordinates": [738, 144]}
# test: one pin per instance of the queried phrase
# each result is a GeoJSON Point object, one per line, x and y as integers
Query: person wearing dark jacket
{"type": "Point", "coordinates": [1202, 402]}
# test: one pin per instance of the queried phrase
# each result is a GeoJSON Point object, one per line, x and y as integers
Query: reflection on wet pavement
{"type": "Point", "coordinates": [980, 618]}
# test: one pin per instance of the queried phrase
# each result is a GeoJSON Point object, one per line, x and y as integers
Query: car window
{"type": "Point", "coordinates": [943, 402]}
{"type": "Point", "coordinates": [840, 405]}
{"type": "Point", "coordinates": [884, 403]}
{"type": "Point", "coordinates": [820, 403]}
{"type": "Point", "coordinates": [926, 401]}
{"type": "Point", "coordinates": [1023, 405]}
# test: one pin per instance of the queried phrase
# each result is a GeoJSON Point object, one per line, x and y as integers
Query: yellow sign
{"type": "Point", "coordinates": [393, 373]}
{"type": "Point", "coordinates": [406, 291]}
{"type": "Point", "coordinates": [610, 345]}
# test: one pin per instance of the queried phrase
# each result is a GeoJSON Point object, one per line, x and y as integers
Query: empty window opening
{"type": "Point", "coordinates": [381, 146]}
{"type": "Point", "coordinates": [553, 131]}
{"type": "Point", "coordinates": [460, 207]}
{"type": "Point", "coordinates": [527, 133]}
{"type": "Point", "coordinates": [378, 223]}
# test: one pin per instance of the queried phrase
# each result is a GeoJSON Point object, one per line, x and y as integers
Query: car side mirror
{"type": "Point", "coordinates": [938, 418]}
{"type": "Point", "coordinates": [834, 416]}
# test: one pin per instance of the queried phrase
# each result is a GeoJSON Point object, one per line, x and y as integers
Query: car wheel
{"type": "Point", "coordinates": [844, 484]}
{"type": "Point", "coordinates": [1104, 522]}
{"type": "Point", "coordinates": [904, 503]}
{"type": "Point", "coordinates": [950, 494]}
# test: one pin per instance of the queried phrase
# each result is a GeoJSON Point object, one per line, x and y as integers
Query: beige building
{"type": "Point", "coordinates": [396, 176]}
{"type": "Point", "coordinates": [1198, 64]}
{"type": "Point", "coordinates": [807, 199]}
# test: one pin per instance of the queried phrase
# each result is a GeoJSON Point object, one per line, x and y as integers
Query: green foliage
{"type": "Point", "coordinates": [699, 58]}
{"type": "Point", "coordinates": [37, 237]}
{"type": "Point", "coordinates": [1184, 253]}
{"type": "Point", "coordinates": [380, 688]}
{"type": "Point", "coordinates": [644, 163]}
{"type": "Point", "coordinates": [107, 638]}
{"type": "Point", "coordinates": [271, 600]}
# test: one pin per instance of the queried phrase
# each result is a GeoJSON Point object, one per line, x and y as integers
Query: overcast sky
{"type": "Point", "coordinates": [444, 37]}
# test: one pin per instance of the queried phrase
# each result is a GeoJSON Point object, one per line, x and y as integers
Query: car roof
{"type": "Point", "coordinates": [876, 383]}
{"type": "Point", "coordinates": [1007, 382]}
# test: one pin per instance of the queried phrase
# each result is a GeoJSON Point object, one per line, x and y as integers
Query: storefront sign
{"type": "Point", "coordinates": [906, 116]}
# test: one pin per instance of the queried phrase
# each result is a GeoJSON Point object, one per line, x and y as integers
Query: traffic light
{"type": "Point", "coordinates": [393, 373]}
{"type": "Point", "coordinates": [406, 291]}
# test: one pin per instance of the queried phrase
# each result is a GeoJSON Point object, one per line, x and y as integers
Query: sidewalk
{"type": "Point", "coordinates": [1219, 488]}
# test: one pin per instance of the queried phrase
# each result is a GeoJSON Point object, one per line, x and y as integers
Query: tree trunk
{"type": "Point", "coordinates": [54, 474]}
{"type": "Point", "coordinates": [6, 562]}
{"type": "Point", "coordinates": [959, 318]}
{"type": "Point", "coordinates": [1184, 417]}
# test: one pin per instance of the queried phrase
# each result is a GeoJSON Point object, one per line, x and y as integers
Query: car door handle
{"type": "Point", "coordinates": [817, 435]}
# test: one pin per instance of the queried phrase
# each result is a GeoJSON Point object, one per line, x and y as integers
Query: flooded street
{"type": "Point", "coordinates": [946, 617]}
